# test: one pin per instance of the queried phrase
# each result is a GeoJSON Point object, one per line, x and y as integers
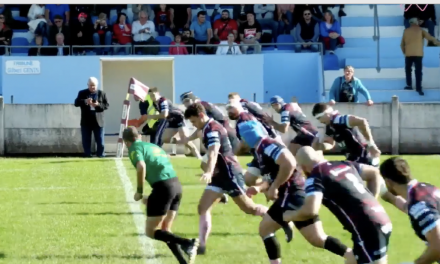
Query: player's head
{"type": "Point", "coordinates": [323, 112]}
{"type": "Point", "coordinates": [154, 93]}
{"type": "Point", "coordinates": [307, 158]}
{"type": "Point", "coordinates": [252, 132]}
{"type": "Point", "coordinates": [234, 109]}
{"type": "Point", "coordinates": [196, 114]}
{"type": "Point", "coordinates": [395, 171]}
{"type": "Point", "coordinates": [276, 102]}
{"type": "Point", "coordinates": [188, 98]}
{"type": "Point", "coordinates": [234, 97]}
{"type": "Point", "coordinates": [130, 135]}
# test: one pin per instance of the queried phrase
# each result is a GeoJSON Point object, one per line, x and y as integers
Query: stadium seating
{"type": "Point", "coordinates": [164, 40]}
{"type": "Point", "coordinates": [20, 41]}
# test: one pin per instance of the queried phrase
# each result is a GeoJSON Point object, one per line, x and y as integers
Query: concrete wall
{"type": "Point", "coordinates": [397, 127]}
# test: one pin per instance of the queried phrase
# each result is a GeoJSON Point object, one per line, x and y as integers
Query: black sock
{"type": "Point", "coordinates": [272, 247]}
{"type": "Point", "coordinates": [177, 252]}
{"type": "Point", "coordinates": [335, 246]}
{"type": "Point", "coordinates": [169, 237]}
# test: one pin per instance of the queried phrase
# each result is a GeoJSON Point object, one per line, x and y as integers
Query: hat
{"type": "Point", "coordinates": [84, 15]}
{"type": "Point", "coordinates": [276, 100]}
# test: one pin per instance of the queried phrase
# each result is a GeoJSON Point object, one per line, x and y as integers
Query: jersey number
{"type": "Point", "coordinates": [342, 144]}
{"type": "Point", "coordinates": [358, 185]}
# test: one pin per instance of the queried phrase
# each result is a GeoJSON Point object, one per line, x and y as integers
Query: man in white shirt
{"type": "Point", "coordinates": [143, 31]}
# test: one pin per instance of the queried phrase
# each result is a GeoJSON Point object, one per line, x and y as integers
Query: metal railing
{"type": "Point", "coordinates": [376, 35]}
{"type": "Point", "coordinates": [25, 49]}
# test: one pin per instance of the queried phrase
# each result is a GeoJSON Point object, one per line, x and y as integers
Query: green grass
{"type": "Point", "coordinates": [74, 210]}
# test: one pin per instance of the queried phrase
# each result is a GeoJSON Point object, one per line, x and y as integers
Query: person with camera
{"type": "Point", "coordinates": [102, 34]}
{"type": "Point", "coordinates": [346, 89]}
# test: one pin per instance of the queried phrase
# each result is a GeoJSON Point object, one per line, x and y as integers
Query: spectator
{"type": "Point", "coordinates": [176, 50]}
{"type": "Point", "coordinates": [201, 31]}
{"type": "Point", "coordinates": [224, 26]}
{"type": "Point", "coordinates": [180, 17]}
{"type": "Point", "coordinates": [341, 12]}
{"type": "Point", "coordinates": [214, 11]}
{"type": "Point", "coordinates": [250, 33]}
{"type": "Point", "coordinates": [82, 34]}
{"type": "Point", "coordinates": [229, 46]}
{"type": "Point", "coordinates": [146, 8]}
{"type": "Point", "coordinates": [285, 18]}
{"type": "Point", "coordinates": [307, 31]}
{"type": "Point", "coordinates": [93, 103]}
{"type": "Point", "coordinates": [59, 27]}
{"type": "Point", "coordinates": [61, 49]}
{"type": "Point", "coordinates": [122, 34]}
{"type": "Point", "coordinates": [330, 31]}
{"type": "Point", "coordinates": [427, 18]}
{"type": "Point", "coordinates": [143, 31]}
{"type": "Point", "coordinates": [188, 40]}
{"type": "Point", "coordinates": [163, 21]}
{"type": "Point", "coordinates": [265, 16]}
{"type": "Point", "coordinates": [60, 10]}
{"type": "Point", "coordinates": [75, 10]}
{"type": "Point", "coordinates": [106, 9]}
{"type": "Point", "coordinates": [5, 10]}
{"type": "Point", "coordinates": [412, 48]}
{"type": "Point", "coordinates": [37, 22]}
{"type": "Point", "coordinates": [5, 34]}
{"type": "Point", "coordinates": [346, 89]}
{"type": "Point", "coordinates": [299, 10]}
{"type": "Point", "coordinates": [102, 34]}
{"type": "Point", "coordinates": [239, 13]}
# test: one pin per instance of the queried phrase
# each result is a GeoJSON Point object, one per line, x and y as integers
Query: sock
{"type": "Point", "coordinates": [176, 252]}
{"type": "Point", "coordinates": [168, 237]}
{"type": "Point", "coordinates": [260, 210]}
{"type": "Point", "coordinates": [335, 246]}
{"type": "Point", "coordinates": [272, 249]}
{"type": "Point", "coordinates": [204, 228]}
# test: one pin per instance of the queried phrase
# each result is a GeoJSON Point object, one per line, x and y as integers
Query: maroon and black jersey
{"type": "Point", "coordinates": [245, 117]}
{"type": "Point", "coordinates": [423, 207]}
{"type": "Point", "coordinates": [253, 108]}
{"type": "Point", "coordinates": [215, 134]}
{"type": "Point", "coordinates": [267, 153]}
{"type": "Point", "coordinates": [213, 112]}
{"type": "Point", "coordinates": [164, 104]}
{"type": "Point", "coordinates": [351, 141]}
{"type": "Point", "coordinates": [292, 114]}
{"type": "Point", "coordinates": [345, 195]}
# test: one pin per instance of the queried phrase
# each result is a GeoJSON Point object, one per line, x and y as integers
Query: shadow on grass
{"type": "Point", "coordinates": [122, 202]}
{"type": "Point", "coordinates": [103, 213]}
{"type": "Point", "coordinates": [2, 255]}
{"type": "Point", "coordinates": [96, 256]}
{"type": "Point", "coordinates": [80, 160]}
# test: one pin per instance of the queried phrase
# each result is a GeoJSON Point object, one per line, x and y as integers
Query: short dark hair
{"type": "Point", "coordinates": [225, 11]}
{"type": "Point", "coordinates": [232, 95]}
{"type": "Point", "coordinates": [396, 169]}
{"type": "Point", "coordinates": [153, 90]}
{"type": "Point", "coordinates": [194, 110]}
{"type": "Point", "coordinates": [57, 17]}
{"type": "Point", "coordinates": [201, 13]}
{"type": "Point", "coordinates": [319, 108]}
{"type": "Point", "coordinates": [130, 134]}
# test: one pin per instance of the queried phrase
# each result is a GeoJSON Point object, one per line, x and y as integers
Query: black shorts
{"type": "Point", "coordinates": [175, 121]}
{"type": "Point", "coordinates": [228, 180]}
{"type": "Point", "coordinates": [289, 201]}
{"type": "Point", "coordinates": [165, 196]}
{"type": "Point", "coordinates": [303, 139]}
{"type": "Point", "coordinates": [364, 158]}
{"type": "Point", "coordinates": [150, 131]}
{"type": "Point", "coordinates": [371, 245]}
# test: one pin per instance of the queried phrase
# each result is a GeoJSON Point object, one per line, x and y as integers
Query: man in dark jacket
{"type": "Point", "coordinates": [93, 102]}
{"type": "Point", "coordinates": [82, 34]}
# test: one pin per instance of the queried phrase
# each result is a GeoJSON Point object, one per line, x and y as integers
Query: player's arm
{"type": "Point", "coordinates": [164, 111]}
{"type": "Point", "coordinates": [323, 142]}
{"type": "Point", "coordinates": [312, 203]}
{"type": "Point", "coordinates": [431, 231]}
{"type": "Point", "coordinates": [213, 150]}
{"type": "Point", "coordinates": [282, 127]}
{"type": "Point", "coordinates": [141, 170]}
{"type": "Point", "coordinates": [361, 123]}
{"type": "Point", "coordinates": [372, 176]}
{"type": "Point", "coordinates": [286, 162]}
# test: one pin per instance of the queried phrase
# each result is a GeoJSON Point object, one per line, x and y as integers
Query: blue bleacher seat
{"type": "Point", "coordinates": [20, 30]}
{"type": "Point", "coordinates": [285, 39]}
{"type": "Point", "coordinates": [218, 16]}
{"type": "Point", "coordinates": [23, 19]}
{"type": "Point", "coordinates": [113, 19]}
{"type": "Point", "coordinates": [164, 40]}
{"type": "Point", "coordinates": [330, 62]}
{"type": "Point", "coordinates": [19, 42]}
{"type": "Point", "coordinates": [94, 18]}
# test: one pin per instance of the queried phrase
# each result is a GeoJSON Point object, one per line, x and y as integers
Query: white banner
{"type": "Point", "coordinates": [22, 67]}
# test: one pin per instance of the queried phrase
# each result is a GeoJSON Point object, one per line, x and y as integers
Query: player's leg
{"type": "Point", "coordinates": [371, 243]}
{"type": "Point", "coordinates": [267, 230]}
{"type": "Point", "coordinates": [204, 166]}
{"type": "Point", "coordinates": [211, 194]}
{"type": "Point", "coordinates": [252, 176]}
{"type": "Point", "coordinates": [158, 137]}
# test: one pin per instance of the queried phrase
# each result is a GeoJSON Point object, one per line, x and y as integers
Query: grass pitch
{"type": "Point", "coordinates": [76, 211]}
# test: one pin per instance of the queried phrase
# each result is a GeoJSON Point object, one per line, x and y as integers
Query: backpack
{"type": "Point", "coordinates": [345, 95]}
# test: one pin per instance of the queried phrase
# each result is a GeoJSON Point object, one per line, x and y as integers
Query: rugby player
{"type": "Point", "coordinates": [223, 173]}
{"type": "Point", "coordinates": [152, 163]}
{"type": "Point", "coordinates": [170, 121]}
{"type": "Point", "coordinates": [284, 184]}
{"type": "Point", "coordinates": [215, 113]}
{"type": "Point", "coordinates": [423, 205]}
{"type": "Point", "coordinates": [353, 135]}
{"type": "Point", "coordinates": [338, 186]}
{"type": "Point", "coordinates": [291, 114]}
{"type": "Point", "coordinates": [145, 107]}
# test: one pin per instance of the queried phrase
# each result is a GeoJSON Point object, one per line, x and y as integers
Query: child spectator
{"type": "Point", "coordinates": [176, 50]}
{"type": "Point", "coordinates": [330, 30]}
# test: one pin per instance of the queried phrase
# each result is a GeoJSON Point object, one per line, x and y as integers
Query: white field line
{"type": "Point", "coordinates": [146, 244]}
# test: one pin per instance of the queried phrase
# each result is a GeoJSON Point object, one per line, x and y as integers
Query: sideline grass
{"type": "Point", "coordinates": [74, 210]}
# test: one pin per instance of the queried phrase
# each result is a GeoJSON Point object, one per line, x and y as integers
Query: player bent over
{"type": "Point", "coordinates": [223, 173]}
{"type": "Point", "coordinates": [353, 135]}
{"type": "Point", "coordinates": [292, 115]}
{"type": "Point", "coordinates": [152, 163]}
{"type": "Point", "coordinates": [285, 185]}
{"type": "Point", "coordinates": [423, 205]}
{"type": "Point", "coordinates": [338, 186]}
{"type": "Point", "coordinates": [170, 122]}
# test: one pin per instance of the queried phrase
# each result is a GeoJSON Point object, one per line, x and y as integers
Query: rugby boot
{"type": "Point", "coordinates": [224, 199]}
{"type": "Point", "coordinates": [288, 229]}
{"type": "Point", "coordinates": [191, 250]}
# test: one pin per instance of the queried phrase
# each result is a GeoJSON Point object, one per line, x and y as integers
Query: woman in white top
{"type": "Point", "coordinates": [37, 24]}
{"type": "Point", "coordinates": [229, 46]}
